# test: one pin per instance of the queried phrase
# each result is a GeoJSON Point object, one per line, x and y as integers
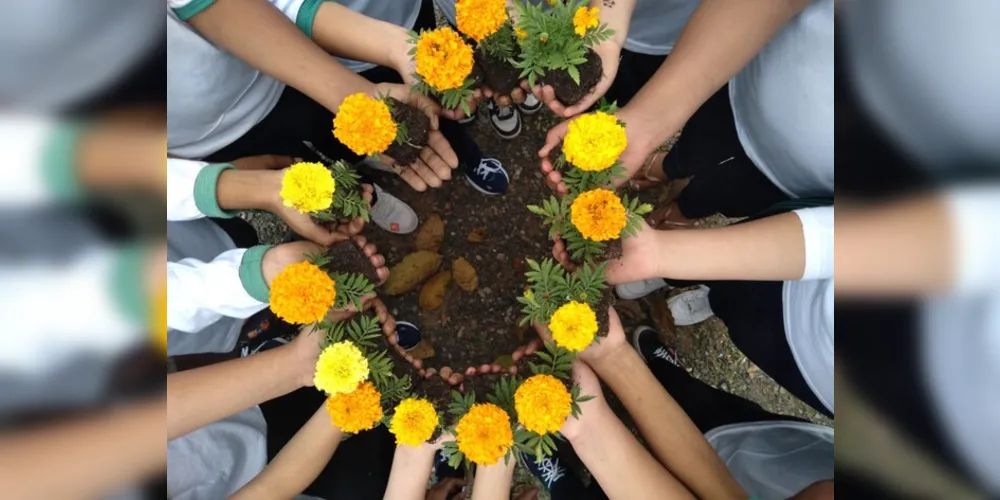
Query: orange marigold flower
{"type": "Point", "coordinates": [356, 411]}
{"type": "Point", "coordinates": [585, 19]}
{"type": "Point", "coordinates": [542, 403]}
{"type": "Point", "coordinates": [483, 434]}
{"type": "Point", "coordinates": [598, 214]}
{"type": "Point", "coordinates": [364, 124]}
{"type": "Point", "coordinates": [302, 293]}
{"type": "Point", "coordinates": [478, 19]}
{"type": "Point", "coordinates": [443, 59]}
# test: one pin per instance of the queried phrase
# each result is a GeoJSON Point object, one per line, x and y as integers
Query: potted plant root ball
{"type": "Point", "coordinates": [487, 23]}
{"type": "Point", "coordinates": [556, 44]}
{"type": "Point", "coordinates": [375, 126]}
{"type": "Point", "coordinates": [444, 64]}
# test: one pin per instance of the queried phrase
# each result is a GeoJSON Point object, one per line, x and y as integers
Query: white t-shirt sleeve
{"type": "Point", "coordinates": [23, 142]}
{"type": "Point", "coordinates": [181, 176]}
{"type": "Point", "coordinates": [976, 235]}
{"type": "Point", "coordinates": [817, 231]}
{"type": "Point", "coordinates": [201, 293]}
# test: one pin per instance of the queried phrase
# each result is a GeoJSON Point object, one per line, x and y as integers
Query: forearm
{"type": "Point", "coordinates": [622, 467]}
{"type": "Point", "coordinates": [769, 249]}
{"type": "Point", "coordinates": [298, 463]}
{"type": "Point", "coordinates": [617, 15]}
{"type": "Point", "coordinates": [352, 35]}
{"type": "Point", "coordinates": [717, 42]}
{"type": "Point", "coordinates": [248, 189]}
{"type": "Point", "coordinates": [411, 466]}
{"type": "Point", "coordinates": [204, 395]}
{"type": "Point", "coordinates": [86, 458]}
{"type": "Point", "coordinates": [260, 35]}
{"type": "Point", "coordinates": [667, 429]}
{"type": "Point", "coordinates": [492, 482]}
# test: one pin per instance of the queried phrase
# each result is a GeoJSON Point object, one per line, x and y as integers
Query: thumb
{"type": "Point", "coordinates": [277, 162]}
{"type": "Point", "coordinates": [553, 138]}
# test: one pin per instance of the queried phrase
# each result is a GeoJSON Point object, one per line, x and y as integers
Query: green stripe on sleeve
{"type": "Point", "coordinates": [205, 196]}
{"type": "Point", "coordinates": [127, 285]}
{"type": "Point", "coordinates": [59, 161]}
{"type": "Point", "coordinates": [193, 8]}
{"type": "Point", "coordinates": [306, 16]}
{"type": "Point", "coordinates": [252, 275]}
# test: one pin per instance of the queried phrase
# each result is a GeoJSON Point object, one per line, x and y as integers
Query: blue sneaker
{"type": "Point", "coordinates": [489, 177]}
{"type": "Point", "coordinates": [407, 335]}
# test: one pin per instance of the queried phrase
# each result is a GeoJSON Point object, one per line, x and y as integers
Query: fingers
{"type": "Point", "coordinates": [502, 101]}
{"type": "Point", "coordinates": [553, 138]}
{"type": "Point", "coordinates": [440, 145]}
{"type": "Point", "coordinates": [427, 106]}
{"type": "Point", "coordinates": [414, 180]}
{"type": "Point", "coordinates": [555, 182]}
{"type": "Point", "coordinates": [426, 174]}
{"type": "Point", "coordinates": [436, 164]}
{"type": "Point", "coordinates": [518, 96]}
{"type": "Point", "coordinates": [550, 99]}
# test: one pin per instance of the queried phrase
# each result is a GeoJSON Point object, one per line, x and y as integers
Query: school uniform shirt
{"type": "Point", "coordinates": [212, 286]}
{"type": "Point", "coordinates": [654, 28]}
{"type": "Point", "coordinates": [783, 104]}
{"type": "Point", "coordinates": [402, 13]}
{"type": "Point", "coordinates": [213, 97]}
{"type": "Point", "coordinates": [808, 305]}
{"type": "Point", "coordinates": [775, 460]}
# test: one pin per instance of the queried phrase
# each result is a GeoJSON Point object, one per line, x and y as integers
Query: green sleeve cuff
{"type": "Point", "coordinates": [306, 16]}
{"type": "Point", "coordinates": [251, 274]}
{"type": "Point", "coordinates": [127, 287]}
{"type": "Point", "coordinates": [205, 191]}
{"type": "Point", "coordinates": [193, 8]}
{"type": "Point", "coordinates": [59, 161]}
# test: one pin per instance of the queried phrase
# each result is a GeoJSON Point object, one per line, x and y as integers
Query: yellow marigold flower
{"type": "Point", "coordinates": [584, 19]}
{"type": "Point", "coordinates": [308, 187]}
{"type": "Point", "coordinates": [356, 411]}
{"type": "Point", "coordinates": [598, 214]}
{"type": "Point", "coordinates": [364, 124]}
{"type": "Point", "coordinates": [413, 422]}
{"type": "Point", "coordinates": [521, 34]}
{"type": "Point", "coordinates": [302, 293]}
{"type": "Point", "coordinates": [478, 19]}
{"type": "Point", "coordinates": [484, 434]}
{"type": "Point", "coordinates": [594, 141]}
{"type": "Point", "coordinates": [542, 403]}
{"type": "Point", "coordinates": [573, 326]}
{"type": "Point", "coordinates": [340, 368]}
{"type": "Point", "coordinates": [443, 59]}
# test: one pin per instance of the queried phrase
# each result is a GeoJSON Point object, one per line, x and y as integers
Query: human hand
{"type": "Point", "coordinates": [642, 142]}
{"type": "Point", "coordinates": [640, 257]}
{"type": "Point", "coordinates": [602, 348]}
{"type": "Point", "coordinates": [277, 258]}
{"type": "Point", "coordinates": [407, 68]}
{"type": "Point", "coordinates": [437, 158]}
{"type": "Point", "coordinates": [516, 96]}
{"type": "Point", "coordinates": [610, 53]}
{"type": "Point", "coordinates": [302, 353]}
{"type": "Point", "coordinates": [449, 488]}
{"type": "Point", "coordinates": [590, 385]}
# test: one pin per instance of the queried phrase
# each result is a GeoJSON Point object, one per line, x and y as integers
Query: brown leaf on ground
{"type": "Point", "coordinates": [663, 319]}
{"type": "Point", "coordinates": [411, 272]}
{"type": "Point", "coordinates": [423, 350]}
{"type": "Point", "coordinates": [477, 235]}
{"type": "Point", "coordinates": [465, 274]}
{"type": "Point", "coordinates": [631, 310]}
{"type": "Point", "coordinates": [432, 294]}
{"type": "Point", "coordinates": [431, 233]}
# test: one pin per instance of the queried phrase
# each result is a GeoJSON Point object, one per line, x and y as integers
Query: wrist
{"type": "Point", "coordinates": [248, 189]}
{"type": "Point", "coordinates": [399, 47]}
{"type": "Point", "coordinates": [592, 420]}
{"type": "Point", "coordinates": [645, 126]}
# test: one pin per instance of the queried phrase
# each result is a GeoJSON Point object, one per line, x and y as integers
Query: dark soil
{"type": "Point", "coordinates": [567, 91]}
{"type": "Point", "coordinates": [417, 126]}
{"type": "Point", "coordinates": [473, 328]}
{"type": "Point", "coordinates": [435, 389]}
{"type": "Point", "coordinates": [603, 322]}
{"type": "Point", "coordinates": [612, 250]}
{"type": "Point", "coordinates": [347, 258]}
{"type": "Point", "coordinates": [498, 74]}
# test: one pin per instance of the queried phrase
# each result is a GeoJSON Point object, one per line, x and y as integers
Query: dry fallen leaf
{"type": "Point", "coordinates": [432, 294]}
{"type": "Point", "coordinates": [413, 270]}
{"type": "Point", "coordinates": [431, 233]}
{"type": "Point", "coordinates": [465, 274]}
{"type": "Point", "coordinates": [477, 235]}
{"type": "Point", "coordinates": [422, 350]}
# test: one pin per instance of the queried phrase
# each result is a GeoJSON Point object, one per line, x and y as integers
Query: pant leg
{"type": "Point", "coordinates": [725, 180]}
{"type": "Point", "coordinates": [634, 70]}
{"type": "Point", "coordinates": [754, 315]}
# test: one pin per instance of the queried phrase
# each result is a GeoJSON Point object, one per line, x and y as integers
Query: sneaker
{"type": "Point", "coordinates": [489, 177]}
{"type": "Point", "coordinates": [472, 117]}
{"type": "Point", "coordinates": [391, 214]}
{"type": "Point", "coordinates": [530, 106]}
{"type": "Point", "coordinates": [505, 121]}
{"type": "Point", "coordinates": [555, 477]}
{"type": "Point", "coordinates": [691, 307]}
{"type": "Point", "coordinates": [639, 289]}
{"type": "Point", "coordinates": [646, 341]}
{"type": "Point", "coordinates": [407, 335]}
{"type": "Point", "coordinates": [268, 344]}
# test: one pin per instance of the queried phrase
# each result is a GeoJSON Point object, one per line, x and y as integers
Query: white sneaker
{"type": "Point", "coordinates": [391, 214]}
{"type": "Point", "coordinates": [691, 307]}
{"type": "Point", "coordinates": [531, 105]}
{"type": "Point", "coordinates": [639, 289]}
{"type": "Point", "coordinates": [506, 121]}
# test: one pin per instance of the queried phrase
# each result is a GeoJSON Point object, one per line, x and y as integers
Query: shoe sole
{"type": "Point", "coordinates": [529, 111]}
{"type": "Point", "coordinates": [635, 340]}
{"type": "Point", "coordinates": [481, 190]}
{"type": "Point", "coordinates": [507, 135]}
{"type": "Point", "coordinates": [635, 296]}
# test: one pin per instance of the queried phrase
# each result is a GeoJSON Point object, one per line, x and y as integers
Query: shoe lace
{"type": "Point", "coordinates": [487, 168]}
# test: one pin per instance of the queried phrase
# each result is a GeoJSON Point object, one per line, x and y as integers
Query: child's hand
{"type": "Point", "coordinates": [303, 224]}
{"type": "Point", "coordinates": [597, 351]}
{"type": "Point", "coordinates": [610, 53]}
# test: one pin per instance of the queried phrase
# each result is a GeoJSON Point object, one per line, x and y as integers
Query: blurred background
{"type": "Point", "coordinates": [82, 256]}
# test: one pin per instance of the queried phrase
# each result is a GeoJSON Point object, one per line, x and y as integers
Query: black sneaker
{"type": "Point", "coordinates": [407, 335]}
{"type": "Point", "coordinates": [489, 177]}
{"type": "Point", "coordinates": [530, 106]}
{"type": "Point", "coordinates": [557, 479]}
{"type": "Point", "coordinates": [505, 121]}
{"type": "Point", "coordinates": [646, 341]}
